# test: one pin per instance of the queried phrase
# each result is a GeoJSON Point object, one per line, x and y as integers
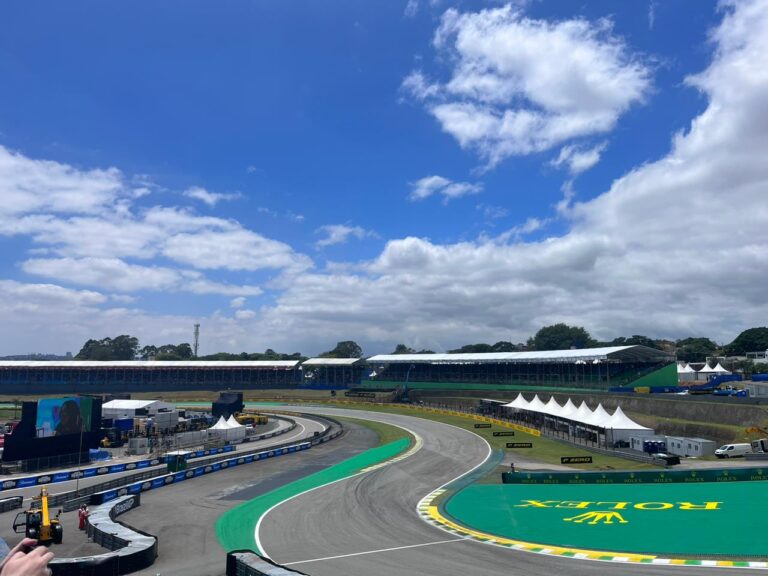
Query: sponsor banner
{"type": "Point", "coordinates": [639, 477]}
{"type": "Point", "coordinates": [179, 476]}
{"type": "Point", "coordinates": [482, 425]}
{"type": "Point", "coordinates": [61, 477]}
{"type": "Point", "coordinates": [24, 482]}
{"type": "Point", "coordinates": [135, 488]}
{"type": "Point", "coordinates": [508, 433]}
{"type": "Point", "coordinates": [576, 460]}
{"type": "Point", "coordinates": [125, 506]}
{"type": "Point", "coordinates": [142, 464]}
{"type": "Point", "coordinates": [157, 482]}
{"type": "Point", "coordinates": [89, 472]}
{"type": "Point", "coordinates": [519, 445]}
{"type": "Point", "coordinates": [117, 468]}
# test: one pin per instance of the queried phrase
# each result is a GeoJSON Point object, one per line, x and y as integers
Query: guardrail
{"type": "Point", "coordinates": [131, 549]}
{"type": "Point", "coordinates": [11, 503]}
{"type": "Point", "coordinates": [104, 470]}
{"type": "Point", "coordinates": [637, 477]}
{"type": "Point", "coordinates": [176, 477]}
{"type": "Point", "coordinates": [248, 563]}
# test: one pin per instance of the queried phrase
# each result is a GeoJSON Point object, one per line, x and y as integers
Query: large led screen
{"type": "Point", "coordinates": [61, 416]}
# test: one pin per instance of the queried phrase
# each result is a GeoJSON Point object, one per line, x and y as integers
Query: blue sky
{"type": "Point", "coordinates": [426, 171]}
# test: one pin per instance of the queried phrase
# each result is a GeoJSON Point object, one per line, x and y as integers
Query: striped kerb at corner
{"type": "Point", "coordinates": [430, 513]}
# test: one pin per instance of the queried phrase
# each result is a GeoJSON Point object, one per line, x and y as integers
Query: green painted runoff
{"type": "Point", "coordinates": [235, 528]}
{"type": "Point", "coordinates": [711, 519]}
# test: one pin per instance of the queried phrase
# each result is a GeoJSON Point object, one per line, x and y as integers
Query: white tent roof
{"type": "Point", "coordinates": [719, 369]}
{"type": "Point", "coordinates": [536, 405]}
{"type": "Point", "coordinates": [553, 408]}
{"type": "Point", "coordinates": [707, 369]}
{"type": "Point", "coordinates": [220, 425]}
{"type": "Point", "coordinates": [232, 423]}
{"type": "Point", "coordinates": [620, 421]}
{"type": "Point", "coordinates": [687, 369]}
{"type": "Point", "coordinates": [598, 418]}
{"type": "Point", "coordinates": [582, 413]}
{"type": "Point", "coordinates": [680, 368]}
{"type": "Point", "coordinates": [569, 410]}
{"type": "Point", "coordinates": [519, 402]}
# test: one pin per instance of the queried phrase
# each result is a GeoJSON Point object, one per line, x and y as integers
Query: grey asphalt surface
{"type": "Point", "coordinates": [183, 516]}
{"type": "Point", "coordinates": [368, 525]}
{"type": "Point", "coordinates": [189, 504]}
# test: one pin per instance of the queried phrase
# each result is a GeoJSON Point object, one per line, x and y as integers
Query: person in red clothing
{"type": "Point", "coordinates": [82, 515]}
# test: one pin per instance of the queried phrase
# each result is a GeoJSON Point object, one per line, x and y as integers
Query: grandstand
{"type": "Point", "coordinates": [95, 377]}
{"type": "Point", "coordinates": [591, 369]}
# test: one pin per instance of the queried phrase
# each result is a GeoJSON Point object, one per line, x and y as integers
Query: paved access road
{"type": "Point", "coordinates": [368, 526]}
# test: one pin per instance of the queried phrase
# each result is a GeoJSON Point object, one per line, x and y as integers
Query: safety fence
{"type": "Point", "coordinates": [11, 503]}
{"type": "Point", "coordinates": [638, 477]}
{"type": "Point", "coordinates": [176, 477]}
{"type": "Point", "coordinates": [72, 500]}
{"type": "Point", "coordinates": [66, 475]}
{"type": "Point", "coordinates": [130, 549]}
{"type": "Point", "coordinates": [248, 563]}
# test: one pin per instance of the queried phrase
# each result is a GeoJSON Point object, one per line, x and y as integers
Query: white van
{"type": "Point", "coordinates": [733, 450]}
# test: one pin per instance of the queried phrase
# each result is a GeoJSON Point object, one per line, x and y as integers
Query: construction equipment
{"type": "Point", "coordinates": [252, 418]}
{"type": "Point", "coordinates": [36, 522]}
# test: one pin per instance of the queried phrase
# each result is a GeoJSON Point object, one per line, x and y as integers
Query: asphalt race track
{"type": "Point", "coordinates": [368, 526]}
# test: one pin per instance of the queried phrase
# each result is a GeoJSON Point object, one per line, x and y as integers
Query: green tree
{"type": "Point", "coordinates": [695, 349]}
{"type": "Point", "coordinates": [561, 337]}
{"type": "Point", "coordinates": [472, 349]}
{"type": "Point", "coordinates": [636, 340]}
{"type": "Point", "coordinates": [123, 347]}
{"type": "Point", "coordinates": [403, 349]}
{"type": "Point", "coordinates": [751, 340]}
{"type": "Point", "coordinates": [345, 349]}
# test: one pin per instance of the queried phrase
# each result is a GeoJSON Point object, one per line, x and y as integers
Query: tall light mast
{"type": "Point", "coordinates": [197, 339]}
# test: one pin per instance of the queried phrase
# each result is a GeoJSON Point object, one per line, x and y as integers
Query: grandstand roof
{"type": "Point", "coordinates": [331, 361]}
{"type": "Point", "coordinates": [624, 353]}
{"type": "Point", "coordinates": [148, 364]}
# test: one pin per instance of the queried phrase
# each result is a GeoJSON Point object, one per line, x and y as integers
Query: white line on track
{"type": "Point", "coordinates": [418, 443]}
{"type": "Point", "coordinates": [375, 551]}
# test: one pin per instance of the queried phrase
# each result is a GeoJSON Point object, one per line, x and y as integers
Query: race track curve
{"type": "Point", "coordinates": [368, 525]}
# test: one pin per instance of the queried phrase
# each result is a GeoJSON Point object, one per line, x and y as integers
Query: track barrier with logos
{"type": "Point", "coordinates": [638, 477]}
{"type": "Point", "coordinates": [130, 549]}
{"type": "Point", "coordinates": [248, 563]}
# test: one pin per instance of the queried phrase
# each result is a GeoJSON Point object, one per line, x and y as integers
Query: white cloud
{"type": "Point", "coordinates": [237, 302]}
{"type": "Point", "coordinates": [115, 274]}
{"type": "Point", "coordinates": [577, 159]}
{"type": "Point", "coordinates": [411, 8]}
{"type": "Point", "coordinates": [448, 189]}
{"type": "Point", "coordinates": [340, 234]}
{"type": "Point", "coordinates": [521, 85]}
{"type": "Point", "coordinates": [210, 198]}
{"type": "Point", "coordinates": [245, 314]}
{"type": "Point", "coordinates": [675, 248]}
{"type": "Point", "coordinates": [28, 185]}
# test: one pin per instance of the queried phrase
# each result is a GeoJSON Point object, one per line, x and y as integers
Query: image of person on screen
{"type": "Point", "coordinates": [70, 421]}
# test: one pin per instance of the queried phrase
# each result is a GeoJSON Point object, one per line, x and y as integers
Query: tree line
{"type": "Point", "coordinates": [555, 337]}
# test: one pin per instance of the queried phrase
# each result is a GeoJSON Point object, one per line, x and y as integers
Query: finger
{"type": "Point", "coordinates": [28, 542]}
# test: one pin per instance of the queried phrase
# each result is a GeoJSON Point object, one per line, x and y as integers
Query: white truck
{"type": "Point", "coordinates": [733, 450]}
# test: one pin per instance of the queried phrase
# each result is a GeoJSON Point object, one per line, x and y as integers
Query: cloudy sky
{"type": "Point", "coordinates": [432, 172]}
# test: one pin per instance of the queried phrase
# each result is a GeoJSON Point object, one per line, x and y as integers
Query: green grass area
{"type": "Point", "coordinates": [386, 432]}
{"type": "Point", "coordinates": [544, 450]}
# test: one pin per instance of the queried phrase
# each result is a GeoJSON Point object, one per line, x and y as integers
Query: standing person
{"type": "Point", "coordinates": [81, 517]}
{"type": "Point", "coordinates": [86, 513]}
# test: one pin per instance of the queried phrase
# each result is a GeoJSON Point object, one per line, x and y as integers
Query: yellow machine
{"type": "Point", "coordinates": [36, 522]}
{"type": "Point", "coordinates": [252, 418]}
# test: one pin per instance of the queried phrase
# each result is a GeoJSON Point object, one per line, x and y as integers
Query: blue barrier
{"type": "Point", "coordinates": [172, 478]}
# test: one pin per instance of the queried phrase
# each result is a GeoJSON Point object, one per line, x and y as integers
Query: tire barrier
{"type": "Point", "coordinates": [131, 549]}
{"type": "Point", "coordinates": [248, 563]}
{"type": "Point", "coordinates": [638, 477]}
{"type": "Point", "coordinates": [11, 503]}
{"type": "Point", "coordinates": [64, 476]}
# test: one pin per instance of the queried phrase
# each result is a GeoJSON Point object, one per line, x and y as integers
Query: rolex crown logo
{"type": "Point", "coordinates": [606, 517]}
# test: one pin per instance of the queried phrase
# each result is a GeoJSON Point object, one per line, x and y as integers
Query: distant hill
{"type": "Point", "coordinates": [68, 356]}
